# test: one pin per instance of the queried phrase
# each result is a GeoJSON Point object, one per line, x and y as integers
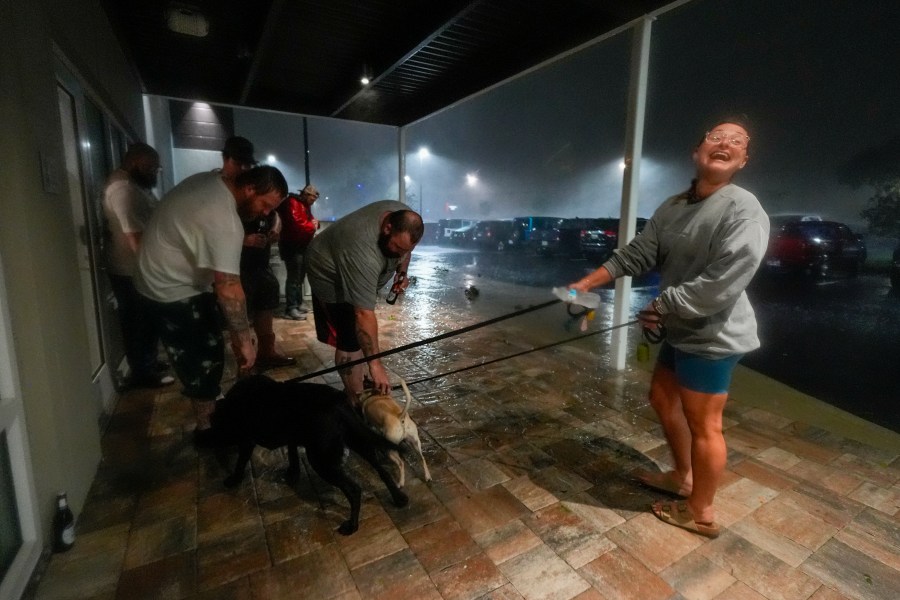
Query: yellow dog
{"type": "Point", "coordinates": [386, 417]}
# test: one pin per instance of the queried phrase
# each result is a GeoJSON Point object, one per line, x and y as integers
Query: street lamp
{"type": "Point", "coordinates": [471, 182]}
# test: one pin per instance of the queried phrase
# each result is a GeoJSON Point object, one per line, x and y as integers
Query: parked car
{"type": "Point", "coordinates": [446, 227]}
{"type": "Point", "coordinates": [777, 220]}
{"type": "Point", "coordinates": [462, 236]}
{"type": "Point", "coordinates": [565, 237]}
{"type": "Point", "coordinates": [524, 228]}
{"type": "Point", "coordinates": [814, 249]}
{"type": "Point", "coordinates": [599, 242]}
{"type": "Point", "coordinates": [432, 235]}
{"type": "Point", "coordinates": [492, 234]}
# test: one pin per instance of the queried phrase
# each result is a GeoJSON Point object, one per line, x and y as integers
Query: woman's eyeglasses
{"type": "Point", "coordinates": [736, 140]}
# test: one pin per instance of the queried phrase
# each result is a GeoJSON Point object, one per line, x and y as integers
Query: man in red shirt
{"type": "Point", "coordinates": [297, 230]}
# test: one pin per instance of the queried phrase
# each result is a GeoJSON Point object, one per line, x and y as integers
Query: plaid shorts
{"type": "Point", "coordinates": [191, 334]}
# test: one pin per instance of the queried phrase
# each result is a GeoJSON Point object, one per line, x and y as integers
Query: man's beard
{"type": "Point", "coordinates": [383, 246]}
{"type": "Point", "coordinates": [246, 213]}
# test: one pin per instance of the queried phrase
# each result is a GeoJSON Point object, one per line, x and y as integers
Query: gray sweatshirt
{"type": "Point", "coordinates": [707, 251]}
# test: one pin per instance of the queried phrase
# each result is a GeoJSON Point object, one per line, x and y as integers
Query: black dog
{"type": "Point", "coordinates": [264, 412]}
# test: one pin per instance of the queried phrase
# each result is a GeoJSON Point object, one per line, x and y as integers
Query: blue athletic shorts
{"type": "Point", "coordinates": [696, 373]}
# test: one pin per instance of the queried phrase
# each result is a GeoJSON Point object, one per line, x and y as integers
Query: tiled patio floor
{"type": "Point", "coordinates": [531, 496]}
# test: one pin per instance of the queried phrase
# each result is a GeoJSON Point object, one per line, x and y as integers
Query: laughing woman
{"type": "Point", "coordinates": [707, 243]}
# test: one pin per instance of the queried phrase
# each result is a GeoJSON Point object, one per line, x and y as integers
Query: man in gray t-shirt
{"type": "Point", "coordinates": [346, 265]}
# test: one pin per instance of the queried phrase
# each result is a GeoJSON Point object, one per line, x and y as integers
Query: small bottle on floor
{"type": "Point", "coordinates": [63, 525]}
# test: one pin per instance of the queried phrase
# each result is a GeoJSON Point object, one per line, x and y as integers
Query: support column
{"type": "Point", "coordinates": [401, 164]}
{"type": "Point", "coordinates": [634, 135]}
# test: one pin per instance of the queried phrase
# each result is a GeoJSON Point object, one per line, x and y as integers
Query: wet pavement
{"type": "Point", "coordinates": [833, 339]}
{"type": "Point", "coordinates": [531, 496]}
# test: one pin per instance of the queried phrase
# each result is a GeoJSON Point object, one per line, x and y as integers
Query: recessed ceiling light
{"type": "Point", "coordinates": [186, 20]}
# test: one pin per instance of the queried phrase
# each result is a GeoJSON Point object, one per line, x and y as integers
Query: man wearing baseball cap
{"type": "Point", "coordinates": [297, 231]}
{"type": "Point", "coordinates": [257, 278]}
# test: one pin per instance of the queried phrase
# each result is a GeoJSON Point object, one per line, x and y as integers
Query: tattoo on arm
{"type": "Point", "coordinates": [344, 360]}
{"type": "Point", "coordinates": [232, 301]}
{"type": "Point", "coordinates": [367, 331]}
{"type": "Point", "coordinates": [368, 345]}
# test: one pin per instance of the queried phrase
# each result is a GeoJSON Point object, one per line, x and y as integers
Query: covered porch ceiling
{"type": "Point", "coordinates": [307, 57]}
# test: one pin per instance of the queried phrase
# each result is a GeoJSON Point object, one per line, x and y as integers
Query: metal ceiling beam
{"type": "Point", "coordinates": [265, 41]}
{"type": "Point", "coordinates": [424, 43]}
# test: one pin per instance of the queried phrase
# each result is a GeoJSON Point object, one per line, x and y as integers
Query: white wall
{"type": "Point", "coordinates": [188, 162]}
{"type": "Point", "coordinates": [37, 236]}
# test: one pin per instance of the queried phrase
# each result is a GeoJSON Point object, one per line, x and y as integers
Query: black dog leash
{"type": "Point", "coordinates": [436, 338]}
{"type": "Point", "coordinates": [507, 357]}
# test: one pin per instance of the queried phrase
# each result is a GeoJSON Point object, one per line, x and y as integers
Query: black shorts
{"type": "Point", "coordinates": [261, 288]}
{"type": "Point", "coordinates": [336, 324]}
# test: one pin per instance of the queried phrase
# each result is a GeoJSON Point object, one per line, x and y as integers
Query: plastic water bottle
{"type": "Point", "coordinates": [585, 299]}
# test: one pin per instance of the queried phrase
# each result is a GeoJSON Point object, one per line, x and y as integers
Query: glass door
{"type": "Point", "coordinates": [86, 149]}
{"type": "Point", "coordinates": [69, 118]}
{"type": "Point", "coordinates": [19, 528]}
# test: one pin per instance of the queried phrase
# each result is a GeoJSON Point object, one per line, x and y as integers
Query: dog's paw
{"type": "Point", "coordinates": [232, 481]}
{"type": "Point", "coordinates": [348, 527]}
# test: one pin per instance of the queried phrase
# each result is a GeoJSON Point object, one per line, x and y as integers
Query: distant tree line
{"type": "Point", "coordinates": [879, 167]}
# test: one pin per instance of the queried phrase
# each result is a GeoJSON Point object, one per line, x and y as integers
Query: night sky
{"type": "Point", "coordinates": [817, 78]}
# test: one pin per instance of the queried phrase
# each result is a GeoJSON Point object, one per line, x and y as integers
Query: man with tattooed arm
{"type": "Point", "coordinates": [189, 268]}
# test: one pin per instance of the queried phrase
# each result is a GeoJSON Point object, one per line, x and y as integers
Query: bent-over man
{"type": "Point", "coordinates": [346, 265]}
{"type": "Point", "coordinates": [189, 264]}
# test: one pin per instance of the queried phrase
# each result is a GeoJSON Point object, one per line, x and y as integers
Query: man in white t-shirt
{"type": "Point", "coordinates": [127, 206]}
{"type": "Point", "coordinates": [189, 263]}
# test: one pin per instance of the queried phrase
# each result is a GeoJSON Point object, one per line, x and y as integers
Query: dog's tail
{"type": "Point", "coordinates": [408, 398]}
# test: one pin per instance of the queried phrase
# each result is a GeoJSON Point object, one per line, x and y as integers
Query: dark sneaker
{"type": "Point", "coordinates": [295, 314]}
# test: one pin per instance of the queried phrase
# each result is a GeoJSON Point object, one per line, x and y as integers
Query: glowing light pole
{"type": "Point", "coordinates": [471, 182]}
{"type": "Point", "coordinates": [423, 154]}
